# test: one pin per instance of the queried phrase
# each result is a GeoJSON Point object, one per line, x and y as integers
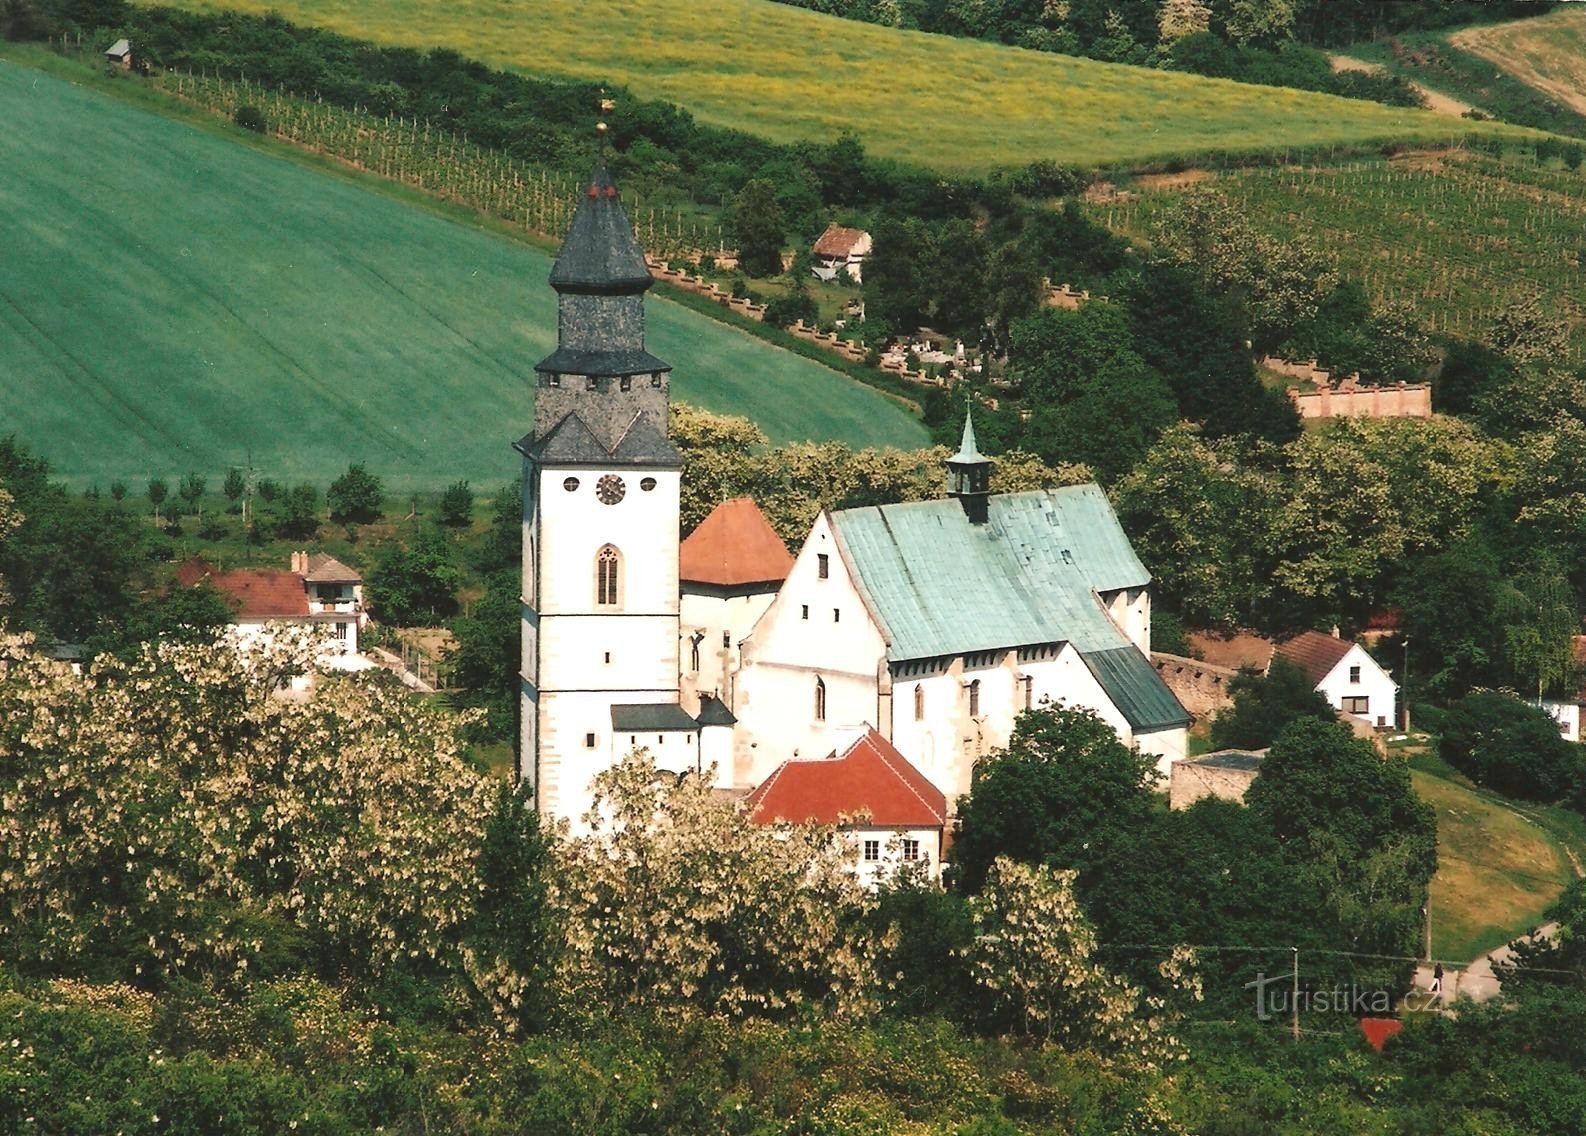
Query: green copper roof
{"type": "Point", "coordinates": [940, 586]}
{"type": "Point", "coordinates": [1136, 689]}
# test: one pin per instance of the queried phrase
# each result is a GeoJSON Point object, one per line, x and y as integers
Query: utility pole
{"type": "Point", "coordinates": [1294, 998]}
{"type": "Point", "coordinates": [1404, 689]}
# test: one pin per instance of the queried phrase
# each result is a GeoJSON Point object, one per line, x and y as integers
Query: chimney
{"type": "Point", "coordinates": [300, 563]}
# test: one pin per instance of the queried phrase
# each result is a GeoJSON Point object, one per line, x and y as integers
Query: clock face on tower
{"type": "Point", "coordinates": [610, 489]}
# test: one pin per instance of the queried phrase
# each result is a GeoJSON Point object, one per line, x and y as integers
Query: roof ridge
{"type": "Point", "coordinates": [907, 784]}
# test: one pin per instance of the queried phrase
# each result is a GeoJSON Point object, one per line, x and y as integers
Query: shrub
{"type": "Point", "coordinates": [1511, 746]}
{"type": "Point", "coordinates": [355, 496]}
{"type": "Point", "coordinates": [457, 504]}
{"type": "Point", "coordinates": [250, 117]}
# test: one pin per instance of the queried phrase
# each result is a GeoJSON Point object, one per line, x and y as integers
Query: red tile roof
{"type": "Point", "coordinates": [838, 241]}
{"type": "Point", "coordinates": [870, 776]}
{"type": "Point", "coordinates": [734, 545]}
{"type": "Point", "coordinates": [1314, 653]}
{"type": "Point", "coordinates": [254, 593]}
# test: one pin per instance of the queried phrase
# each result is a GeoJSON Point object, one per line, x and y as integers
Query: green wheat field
{"type": "Point", "coordinates": [789, 74]}
{"type": "Point", "coordinates": [172, 301]}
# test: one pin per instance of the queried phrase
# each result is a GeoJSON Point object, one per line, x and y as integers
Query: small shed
{"type": "Point", "coordinates": [120, 53]}
{"type": "Point", "coordinates": [839, 249]}
{"type": "Point", "coordinates": [1225, 774]}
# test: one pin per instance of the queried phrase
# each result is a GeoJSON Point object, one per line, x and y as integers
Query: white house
{"type": "Point", "coordinates": [840, 250]}
{"type": "Point", "coordinates": [1350, 679]}
{"type": "Point", "coordinates": [894, 816]}
{"type": "Point", "coordinates": [319, 592]}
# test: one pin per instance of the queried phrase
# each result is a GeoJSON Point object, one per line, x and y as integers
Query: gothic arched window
{"type": "Point", "coordinates": [607, 562]}
{"type": "Point", "coordinates": [820, 700]}
{"type": "Point", "coordinates": [919, 701]}
{"type": "Point", "coordinates": [974, 699]}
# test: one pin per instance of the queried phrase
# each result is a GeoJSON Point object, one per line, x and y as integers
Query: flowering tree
{"type": "Point", "coordinates": [174, 815]}
{"type": "Point", "coordinates": [1032, 955]}
{"type": "Point", "coordinates": [674, 901]}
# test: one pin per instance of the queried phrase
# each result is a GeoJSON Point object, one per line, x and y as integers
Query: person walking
{"type": "Point", "coordinates": [1437, 983]}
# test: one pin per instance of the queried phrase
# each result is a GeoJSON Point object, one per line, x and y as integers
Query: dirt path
{"type": "Point", "coordinates": [1436, 101]}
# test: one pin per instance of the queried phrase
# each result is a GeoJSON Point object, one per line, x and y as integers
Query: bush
{"type": "Point", "coordinates": [1508, 745]}
{"type": "Point", "coordinates": [355, 496]}
{"type": "Point", "coordinates": [250, 117]}
{"type": "Point", "coordinates": [457, 505]}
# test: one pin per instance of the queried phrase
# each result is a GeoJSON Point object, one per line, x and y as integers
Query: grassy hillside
{"type": "Point", "coordinates": [1457, 235]}
{"type": "Point", "coordinates": [1497, 872]}
{"type": "Point", "coordinates": [1548, 52]}
{"type": "Point", "coordinates": [790, 74]}
{"type": "Point", "coordinates": [172, 301]}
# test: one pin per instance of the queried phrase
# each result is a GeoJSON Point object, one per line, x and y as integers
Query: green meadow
{"type": "Point", "coordinates": [173, 301]}
{"type": "Point", "coordinates": [789, 74]}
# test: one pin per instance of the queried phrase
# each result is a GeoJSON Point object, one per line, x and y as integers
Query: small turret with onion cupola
{"type": "Point", "coordinates": [969, 473]}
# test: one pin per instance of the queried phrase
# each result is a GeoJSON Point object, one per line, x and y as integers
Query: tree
{"type": "Point", "coordinates": [158, 492]}
{"type": "Point", "coordinates": [1350, 820]}
{"type": "Point", "coordinates": [234, 487]}
{"type": "Point", "coordinates": [757, 224]}
{"type": "Point", "coordinates": [1529, 331]}
{"type": "Point", "coordinates": [457, 505]}
{"type": "Point", "coordinates": [485, 661]}
{"type": "Point", "coordinates": [1507, 745]}
{"type": "Point", "coordinates": [506, 946]}
{"type": "Point", "coordinates": [1179, 18]}
{"type": "Point", "coordinates": [1259, 22]}
{"type": "Point", "coordinates": [73, 564]}
{"type": "Point", "coordinates": [1540, 623]}
{"type": "Point", "coordinates": [191, 490]}
{"type": "Point", "coordinates": [1064, 792]}
{"type": "Point", "coordinates": [1032, 953]}
{"type": "Point", "coordinates": [179, 615]}
{"type": "Point", "coordinates": [1202, 523]}
{"type": "Point", "coordinates": [295, 512]}
{"type": "Point", "coordinates": [1450, 603]}
{"type": "Point", "coordinates": [675, 903]}
{"type": "Point", "coordinates": [355, 496]}
{"type": "Point", "coordinates": [414, 586]}
{"type": "Point", "coordinates": [138, 843]}
{"type": "Point", "coordinates": [1265, 705]}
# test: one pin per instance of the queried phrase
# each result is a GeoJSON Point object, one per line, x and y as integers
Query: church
{"type": "Point", "coordinates": [928, 625]}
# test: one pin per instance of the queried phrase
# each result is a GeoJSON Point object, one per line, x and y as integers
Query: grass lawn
{"type": "Point", "coordinates": [173, 301]}
{"type": "Point", "coordinates": [1546, 52]}
{"type": "Point", "coordinates": [790, 74]}
{"type": "Point", "coordinates": [1497, 871]}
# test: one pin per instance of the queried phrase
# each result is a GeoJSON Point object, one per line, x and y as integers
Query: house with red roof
{"type": "Point", "coordinates": [1352, 681]}
{"type": "Point", "coordinates": [318, 591]}
{"type": "Point", "coordinates": [729, 570]}
{"type": "Point", "coordinates": [890, 811]}
{"type": "Point", "coordinates": [840, 250]}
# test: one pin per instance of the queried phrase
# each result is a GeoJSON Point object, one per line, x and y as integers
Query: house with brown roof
{"type": "Point", "coordinates": [890, 811]}
{"type": "Point", "coordinates": [840, 250]}
{"type": "Point", "coordinates": [318, 591]}
{"type": "Point", "coordinates": [729, 570]}
{"type": "Point", "coordinates": [1352, 681]}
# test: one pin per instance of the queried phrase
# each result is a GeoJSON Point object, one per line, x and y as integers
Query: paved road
{"type": "Point", "coordinates": [1476, 980]}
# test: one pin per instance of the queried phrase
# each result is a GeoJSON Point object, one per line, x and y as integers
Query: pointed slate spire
{"type": "Point", "coordinates": [969, 473]}
{"type": "Point", "coordinates": [600, 254]}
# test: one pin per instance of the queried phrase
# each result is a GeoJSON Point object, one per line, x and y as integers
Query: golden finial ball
{"type": "Point", "coordinates": [600, 128]}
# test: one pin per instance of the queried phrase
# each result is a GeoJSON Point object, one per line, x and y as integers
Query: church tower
{"type": "Point", "coordinates": [600, 518]}
{"type": "Point", "coordinates": [969, 474]}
